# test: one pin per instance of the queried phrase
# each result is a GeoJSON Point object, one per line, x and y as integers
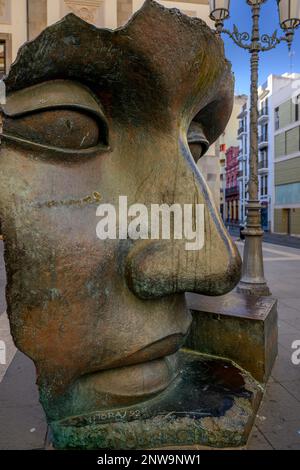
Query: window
{"type": "Point", "coordinates": [264, 159]}
{"type": "Point", "coordinates": [285, 113]}
{"type": "Point", "coordinates": [287, 193]}
{"type": "Point", "coordinates": [292, 141]}
{"type": "Point", "coordinates": [280, 145]}
{"type": "Point", "coordinates": [264, 106]}
{"type": "Point", "coordinates": [265, 132]}
{"type": "Point", "coordinates": [264, 186]}
{"type": "Point", "coordinates": [297, 108]}
{"type": "Point", "coordinates": [276, 119]}
{"type": "Point", "coordinates": [2, 58]}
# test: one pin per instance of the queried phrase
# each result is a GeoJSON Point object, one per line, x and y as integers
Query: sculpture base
{"type": "Point", "coordinates": [212, 403]}
{"type": "Point", "coordinates": [240, 327]}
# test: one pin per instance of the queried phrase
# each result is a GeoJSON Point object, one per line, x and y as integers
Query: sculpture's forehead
{"type": "Point", "coordinates": [158, 63]}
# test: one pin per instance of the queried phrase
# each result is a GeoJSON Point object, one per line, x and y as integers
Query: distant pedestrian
{"type": "Point", "coordinates": [242, 236]}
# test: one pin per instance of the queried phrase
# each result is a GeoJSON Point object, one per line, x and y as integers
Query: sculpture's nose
{"type": "Point", "coordinates": [156, 269]}
{"type": "Point", "coordinates": [204, 261]}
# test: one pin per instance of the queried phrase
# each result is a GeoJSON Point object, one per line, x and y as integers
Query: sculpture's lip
{"type": "Point", "coordinates": [138, 380]}
{"type": "Point", "coordinates": [115, 389]}
{"type": "Point", "coordinates": [156, 350]}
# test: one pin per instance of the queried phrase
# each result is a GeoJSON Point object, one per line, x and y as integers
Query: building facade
{"type": "Point", "coordinates": [243, 159]}
{"type": "Point", "coordinates": [232, 187]}
{"type": "Point", "coordinates": [278, 142]}
{"type": "Point", "coordinates": [227, 140]}
{"type": "Point", "coordinates": [286, 123]}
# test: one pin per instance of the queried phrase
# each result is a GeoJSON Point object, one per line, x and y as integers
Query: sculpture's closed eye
{"type": "Point", "coordinates": [60, 115]}
{"type": "Point", "coordinates": [59, 128]}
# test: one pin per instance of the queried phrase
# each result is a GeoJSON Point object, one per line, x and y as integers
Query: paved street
{"type": "Point", "coordinates": [22, 422]}
{"type": "Point", "coordinates": [273, 238]}
{"type": "Point", "coordinates": [278, 421]}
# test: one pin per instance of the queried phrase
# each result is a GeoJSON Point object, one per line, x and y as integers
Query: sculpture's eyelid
{"type": "Point", "coordinates": [56, 94]}
{"type": "Point", "coordinates": [62, 106]}
{"type": "Point", "coordinates": [59, 103]}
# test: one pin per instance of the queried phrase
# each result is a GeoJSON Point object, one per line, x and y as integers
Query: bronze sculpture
{"type": "Point", "coordinates": [91, 115]}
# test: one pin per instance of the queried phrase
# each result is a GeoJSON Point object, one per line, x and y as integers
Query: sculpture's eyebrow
{"type": "Point", "coordinates": [50, 95]}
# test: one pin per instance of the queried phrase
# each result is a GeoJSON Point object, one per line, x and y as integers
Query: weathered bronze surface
{"type": "Point", "coordinates": [212, 402]}
{"type": "Point", "coordinates": [237, 326]}
{"type": "Point", "coordinates": [93, 114]}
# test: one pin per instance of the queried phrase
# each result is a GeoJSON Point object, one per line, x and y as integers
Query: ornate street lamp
{"type": "Point", "coordinates": [289, 13]}
{"type": "Point", "coordinates": [219, 9]}
{"type": "Point", "coordinates": [253, 280]}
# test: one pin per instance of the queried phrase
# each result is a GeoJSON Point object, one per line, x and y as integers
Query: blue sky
{"type": "Point", "coordinates": [276, 61]}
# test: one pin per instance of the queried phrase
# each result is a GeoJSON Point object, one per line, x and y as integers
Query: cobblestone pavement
{"type": "Point", "coordinates": [22, 421]}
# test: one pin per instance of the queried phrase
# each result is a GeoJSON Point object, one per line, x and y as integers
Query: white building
{"type": "Point", "coordinates": [286, 145]}
{"type": "Point", "coordinates": [276, 91]}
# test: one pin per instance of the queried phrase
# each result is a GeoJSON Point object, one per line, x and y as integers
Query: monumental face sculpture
{"type": "Point", "coordinates": [92, 115]}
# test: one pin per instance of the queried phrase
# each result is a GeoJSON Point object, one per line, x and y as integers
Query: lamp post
{"type": "Point", "coordinates": [253, 281]}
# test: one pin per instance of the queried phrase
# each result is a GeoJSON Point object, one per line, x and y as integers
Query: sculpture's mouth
{"type": "Point", "coordinates": [134, 381]}
{"type": "Point", "coordinates": [145, 372]}
{"type": "Point", "coordinates": [157, 350]}
{"type": "Point", "coordinates": [135, 378]}
{"type": "Point", "coordinates": [115, 389]}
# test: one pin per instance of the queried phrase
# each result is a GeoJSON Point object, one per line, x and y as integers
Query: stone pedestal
{"type": "Point", "coordinates": [212, 403]}
{"type": "Point", "coordinates": [236, 326]}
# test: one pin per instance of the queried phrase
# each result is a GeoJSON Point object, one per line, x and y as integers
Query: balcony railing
{"type": "Point", "coordinates": [232, 191]}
